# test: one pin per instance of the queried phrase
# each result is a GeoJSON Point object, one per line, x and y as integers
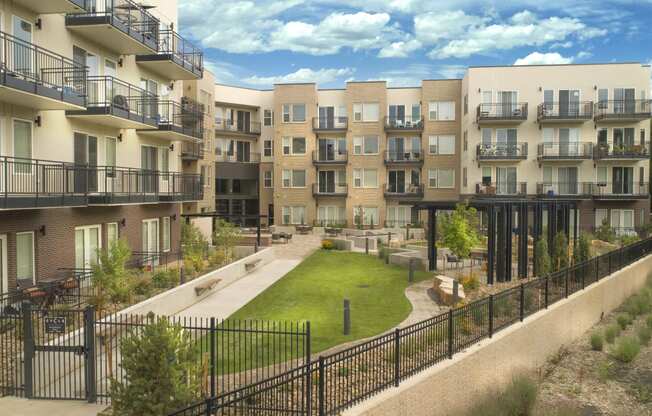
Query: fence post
{"type": "Point", "coordinates": [308, 371]}
{"type": "Point", "coordinates": [597, 268]}
{"type": "Point", "coordinates": [397, 357]}
{"type": "Point", "coordinates": [583, 273]}
{"type": "Point", "coordinates": [450, 333]}
{"type": "Point", "coordinates": [366, 245]}
{"type": "Point", "coordinates": [209, 406]}
{"type": "Point", "coordinates": [28, 349]}
{"type": "Point", "coordinates": [546, 293]}
{"type": "Point", "coordinates": [389, 239]}
{"type": "Point", "coordinates": [491, 315]}
{"type": "Point", "coordinates": [212, 357]}
{"type": "Point", "coordinates": [609, 257]}
{"type": "Point", "coordinates": [322, 384]}
{"type": "Point", "coordinates": [89, 334]}
{"type": "Point", "coordinates": [522, 306]}
{"type": "Point", "coordinates": [566, 283]}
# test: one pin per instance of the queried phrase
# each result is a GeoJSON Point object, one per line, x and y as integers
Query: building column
{"type": "Point", "coordinates": [432, 251]}
{"type": "Point", "coordinates": [491, 243]}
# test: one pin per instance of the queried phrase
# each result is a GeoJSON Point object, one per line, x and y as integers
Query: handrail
{"type": "Point", "coordinates": [170, 42]}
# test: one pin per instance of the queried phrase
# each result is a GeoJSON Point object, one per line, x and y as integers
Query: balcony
{"type": "Point", "coordinates": [407, 191]}
{"type": "Point", "coordinates": [613, 151]}
{"type": "Point", "coordinates": [403, 157]}
{"type": "Point", "coordinates": [330, 157]}
{"type": "Point", "coordinates": [177, 59]}
{"type": "Point", "coordinates": [53, 6]}
{"type": "Point", "coordinates": [500, 189]}
{"type": "Point", "coordinates": [622, 111]}
{"type": "Point", "coordinates": [329, 189]}
{"type": "Point", "coordinates": [121, 26]}
{"type": "Point", "coordinates": [501, 113]}
{"type": "Point", "coordinates": [501, 151]}
{"type": "Point", "coordinates": [403, 124]}
{"type": "Point", "coordinates": [177, 121]}
{"type": "Point", "coordinates": [330, 124]}
{"type": "Point", "coordinates": [620, 191]}
{"type": "Point", "coordinates": [191, 151]}
{"type": "Point", "coordinates": [249, 157]}
{"type": "Point", "coordinates": [33, 77]}
{"type": "Point", "coordinates": [561, 190]}
{"type": "Point", "coordinates": [117, 104]}
{"type": "Point", "coordinates": [565, 151]}
{"type": "Point", "coordinates": [579, 112]}
{"type": "Point", "coordinates": [237, 127]}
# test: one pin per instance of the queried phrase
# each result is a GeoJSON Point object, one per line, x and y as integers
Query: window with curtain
{"type": "Point", "coordinates": [110, 151]}
{"type": "Point", "coordinates": [166, 234]}
{"type": "Point", "coordinates": [22, 146]}
{"type": "Point", "coordinates": [111, 233]}
{"type": "Point", "coordinates": [25, 256]}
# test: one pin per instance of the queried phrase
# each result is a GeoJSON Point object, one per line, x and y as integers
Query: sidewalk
{"type": "Point", "coordinates": [233, 297]}
{"type": "Point", "coordinates": [15, 406]}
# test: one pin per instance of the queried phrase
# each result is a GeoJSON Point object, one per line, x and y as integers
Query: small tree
{"type": "Point", "coordinates": [111, 279]}
{"type": "Point", "coordinates": [560, 252]}
{"type": "Point", "coordinates": [605, 232]}
{"type": "Point", "coordinates": [160, 371]}
{"type": "Point", "coordinates": [194, 245]}
{"type": "Point", "coordinates": [459, 230]}
{"type": "Point", "coordinates": [582, 251]}
{"type": "Point", "coordinates": [543, 258]}
{"type": "Point", "coordinates": [225, 237]}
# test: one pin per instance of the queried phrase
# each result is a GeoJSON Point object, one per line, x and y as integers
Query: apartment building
{"type": "Point", "coordinates": [93, 118]}
{"type": "Point", "coordinates": [367, 153]}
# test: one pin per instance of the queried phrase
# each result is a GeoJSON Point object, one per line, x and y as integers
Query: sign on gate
{"type": "Point", "coordinates": [55, 324]}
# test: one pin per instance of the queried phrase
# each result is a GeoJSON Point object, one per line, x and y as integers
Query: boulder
{"type": "Point", "coordinates": [443, 288]}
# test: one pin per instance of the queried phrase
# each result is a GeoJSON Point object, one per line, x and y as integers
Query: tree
{"type": "Point", "coordinates": [605, 232]}
{"type": "Point", "coordinates": [111, 279]}
{"type": "Point", "coordinates": [582, 250]}
{"type": "Point", "coordinates": [194, 245]}
{"type": "Point", "coordinates": [225, 237]}
{"type": "Point", "coordinates": [458, 230]}
{"type": "Point", "coordinates": [560, 252]}
{"type": "Point", "coordinates": [543, 258]}
{"type": "Point", "coordinates": [160, 371]}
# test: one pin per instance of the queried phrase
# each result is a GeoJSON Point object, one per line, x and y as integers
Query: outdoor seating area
{"type": "Point", "coordinates": [281, 237]}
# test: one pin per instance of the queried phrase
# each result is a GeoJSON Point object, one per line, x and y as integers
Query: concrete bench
{"type": "Point", "coordinates": [252, 264]}
{"type": "Point", "coordinates": [203, 288]}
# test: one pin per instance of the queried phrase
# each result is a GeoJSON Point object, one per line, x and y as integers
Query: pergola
{"type": "Point", "coordinates": [500, 228]}
{"type": "Point", "coordinates": [227, 217]}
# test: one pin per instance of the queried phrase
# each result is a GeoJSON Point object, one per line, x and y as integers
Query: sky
{"type": "Point", "coordinates": [259, 43]}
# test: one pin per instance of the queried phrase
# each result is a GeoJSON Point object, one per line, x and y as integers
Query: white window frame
{"type": "Point", "coordinates": [33, 254]}
{"type": "Point", "coordinates": [270, 148]}
{"type": "Point", "coordinates": [288, 175]}
{"type": "Point", "coordinates": [166, 229]}
{"type": "Point", "coordinates": [86, 229]}
{"type": "Point", "coordinates": [288, 112]}
{"type": "Point", "coordinates": [359, 112]}
{"type": "Point", "coordinates": [359, 145]}
{"type": "Point", "coordinates": [434, 106]}
{"type": "Point", "coordinates": [437, 139]}
{"type": "Point", "coordinates": [4, 283]}
{"type": "Point", "coordinates": [13, 144]}
{"type": "Point", "coordinates": [288, 146]}
{"type": "Point", "coordinates": [268, 114]}
{"type": "Point", "coordinates": [109, 225]}
{"type": "Point", "coordinates": [268, 175]}
{"type": "Point", "coordinates": [433, 174]}
{"type": "Point", "coordinates": [289, 211]}
{"type": "Point", "coordinates": [107, 141]}
{"type": "Point", "coordinates": [359, 178]}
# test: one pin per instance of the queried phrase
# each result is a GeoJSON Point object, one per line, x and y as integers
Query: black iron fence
{"type": "Point", "coordinates": [340, 380]}
{"type": "Point", "coordinates": [188, 55]}
{"type": "Point", "coordinates": [184, 118]}
{"type": "Point", "coordinates": [120, 97]}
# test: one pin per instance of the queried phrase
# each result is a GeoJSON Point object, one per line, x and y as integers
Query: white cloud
{"type": "Point", "coordinates": [538, 58]}
{"type": "Point", "coordinates": [320, 76]}
{"type": "Point", "coordinates": [431, 28]}
{"type": "Point", "coordinates": [583, 55]}
{"type": "Point", "coordinates": [413, 74]}
{"type": "Point", "coordinates": [400, 49]}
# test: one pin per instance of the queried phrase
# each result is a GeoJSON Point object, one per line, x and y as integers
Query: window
{"type": "Point", "coordinates": [294, 145]}
{"type": "Point", "coordinates": [166, 234]}
{"type": "Point", "coordinates": [642, 137]}
{"type": "Point", "coordinates": [441, 110]}
{"type": "Point", "coordinates": [398, 216]}
{"type": "Point", "coordinates": [87, 244]}
{"type": "Point", "coordinates": [150, 239]}
{"type": "Point", "coordinates": [441, 145]}
{"type": "Point", "coordinates": [25, 256]}
{"type": "Point", "coordinates": [603, 97]}
{"type": "Point", "coordinates": [466, 104]}
{"type": "Point", "coordinates": [366, 112]}
{"type": "Point", "coordinates": [111, 233]}
{"type": "Point", "coordinates": [600, 216]}
{"type": "Point", "coordinates": [367, 145]}
{"type": "Point", "coordinates": [294, 178]}
{"type": "Point", "coordinates": [441, 178]}
{"type": "Point", "coordinates": [486, 175]}
{"type": "Point", "coordinates": [602, 174]}
{"type": "Point", "coordinates": [267, 118]}
{"type": "Point", "coordinates": [294, 215]}
{"type": "Point", "coordinates": [268, 180]}
{"type": "Point", "coordinates": [464, 177]}
{"type": "Point", "coordinates": [365, 178]}
{"type": "Point", "coordinates": [109, 156]}
{"type": "Point", "coordinates": [165, 159]}
{"type": "Point", "coordinates": [268, 148]}
{"type": "Point", "coordinates": [294, 113]}
{"type": "Point", "coordinates": [330, 215]}
{"type": "Point", "coordinates": [22, 145]}
{"type": "Point", "coordinates": [366, 215]}
{"type": "Point", "coordinates": [466, 140]}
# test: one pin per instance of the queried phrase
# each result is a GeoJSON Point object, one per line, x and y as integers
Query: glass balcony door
{"type": "Point", "coordinates": [327, 181]}
{"type": "Point", "coordinates": [86, 161]}
{"type": "Point", "coordinates": [567, 178]}
{"type": "Point", "coordinates": [569, 141]}
{"type": "Point", "coordinates": [244, 121]}
{"type": "Point", "coordinates": [23, 53]}
{"type": "Point", "coordinates": [624, 100]}
{"type": "Point", "coordinates": [396, 182]}
{"type": "Point", "coordinates": [506, 180]}
{"type": "Point", "coordinates": [87, 244]}
{"type": "Point", "coordinates": [243, 151]}
{"type": "Point", "coordinates": [396, 147]}
{"type": "Point", "coordinates": [326, 117]}
{"type": "Point", "coordinates": [328, 149]}
{"type": "Point", "coordinates": [569, 103]}
{"type": "Point", "coordinates": [149, 165]}
{"type": "Point", "coordinates": [506, 103]}
{"type": "Point", "coordinates": [622, 180]}
{"type": "Point", "coordinates": [397, 115]}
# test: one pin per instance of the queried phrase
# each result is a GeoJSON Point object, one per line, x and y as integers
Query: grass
{"type": "Point", "coordinates": [517, 399]}
{"type": "Point", "coordinates": [611, 332]}
{"type": "Point", "coordinates": [597, 341]}
{"type": "Point", "coordinates": [315, 289]}
{"type": "Point", "coordinates": [626, 349]}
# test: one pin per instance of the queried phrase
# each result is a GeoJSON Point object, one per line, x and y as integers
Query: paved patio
{"type": "Point", "coordinates": [15, 406]}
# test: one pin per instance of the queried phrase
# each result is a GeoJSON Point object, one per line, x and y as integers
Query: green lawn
{"type": "Point", "coordinates": [315, 289]}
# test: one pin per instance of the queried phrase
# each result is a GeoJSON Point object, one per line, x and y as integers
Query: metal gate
{"type": "Point", "coordinates": [59, 354]}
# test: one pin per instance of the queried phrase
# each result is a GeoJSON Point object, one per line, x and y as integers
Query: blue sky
{"type": "Point", "coordinates": [259, 43]}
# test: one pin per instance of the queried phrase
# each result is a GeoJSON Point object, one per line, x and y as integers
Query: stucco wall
{"type": "Point", "coordinates": [452, 386]}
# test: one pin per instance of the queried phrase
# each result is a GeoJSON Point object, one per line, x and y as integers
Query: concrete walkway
{"type": "Point", "coordinates": [225, 302]}
{"type": "Point", "coordinates": [15, 406]}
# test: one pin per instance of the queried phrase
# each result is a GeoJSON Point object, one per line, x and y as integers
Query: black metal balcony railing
{"type": "Point", "coordinates": [508, 188]}
{"type": "Point", "coordinates": [579, 111]}
{"type": "Point", "coordinates": [570, 189]}
{"type": "Point", "coordinates": [329, 189]}
{"type": "Point", "coordinates": [192, 151]}
{"type": "Point", "coordinates": [238, 157]}
{"type": "Point", "coordinates": [184, 118]}
{"type": "Point", "coordinates": [564, 151]}
{"type": "Point", "coordinates": [237, 126]}
{"type": "Point", "coordinates": [621, 190]}
{"type": "Point", "coordinates": [125, 15]}
{"type": "Point", "coordinates": [181, 51]}
{"type": "Point", "coordinates": [406, 123]}
{"type": "Point", "coordinates": [502, 151]}
{"type": "Point", "coordinates": [32, 69]}
{"type": "Point", "coordinates": [404, 190]}
{"type": "Point", "coordinates": [623, 109]}
{"type": "Point", "coordinates": [617, 151]}
{"type": "Point", "coordinates": [406, 156]}
{"type": "Point", "coordinates": [330, 123]}
{"type": "Point", "coordinates": [515, 112]}
{"type": "Point", "coordinates": [329, 156]}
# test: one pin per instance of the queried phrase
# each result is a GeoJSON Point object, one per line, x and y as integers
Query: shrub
{"type": "Point", "coordinates": [626, 240]}
{"type": "Point", "coordinates": [626, 349]}
{"type": "Point", "coordinates": [649, 321]}
{"type": "Point", "coordinates": [644, 334]}
{"type": "Point", "coordinates": [518, 399]}
{"type": "Point", "coordinates": [216, 258]}
{"type": "Point", "coordinates": [582, 251]}
{"type": "Point", "coordinates": [142, 285]}
{"type": "Point", "coordinates": [560, 252]}
{"type": "Point", "coordinates": [327, 245]}
{"type": "Point", "coordinates": [605, 232]}
{"type": "Point", "coordinates": [624, 319]}
{"type": "Point", "coordinates": [470, 282]}
{"type": "Point", "coordinates": [111, 278]}
{"type": "Point", "coordinates": [164, 279]}
{"type": "Point", "coordinates": [597, 342]}
{"type": "Point", "coordinates": [611, 332]}
{"type": "Point", "coordinates": [543, 258]}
